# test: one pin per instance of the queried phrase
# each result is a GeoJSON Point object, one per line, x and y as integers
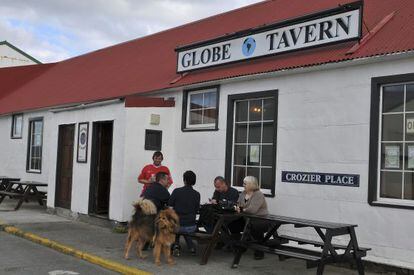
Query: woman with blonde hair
{"type": "Point", "coordinates": [251, 201]}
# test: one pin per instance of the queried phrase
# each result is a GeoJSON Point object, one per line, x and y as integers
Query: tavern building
{"type": "Point", "coordinates": [315, 100]}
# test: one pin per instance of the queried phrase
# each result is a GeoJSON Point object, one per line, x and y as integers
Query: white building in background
{"type": "Point", "coordinates": [11, 56]}
{"type": "Point", "coordinates": [314, 100]}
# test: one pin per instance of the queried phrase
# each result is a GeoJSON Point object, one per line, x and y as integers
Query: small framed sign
{"type": "Point", "coordinates": [83, 130]}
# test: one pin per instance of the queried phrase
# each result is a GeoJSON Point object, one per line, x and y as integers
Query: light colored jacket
{"type": "Point", "coordinates": [255, 205]}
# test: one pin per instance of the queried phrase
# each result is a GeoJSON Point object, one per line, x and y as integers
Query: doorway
{"type": "Point", "coordinates": [64, 167]}
{"type": "Point", "coordinates": [101, 162]}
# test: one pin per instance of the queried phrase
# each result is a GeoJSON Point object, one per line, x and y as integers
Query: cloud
{"type": "Point", "coordinates": [52, 30]}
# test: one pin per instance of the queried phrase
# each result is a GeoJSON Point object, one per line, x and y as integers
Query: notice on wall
{"type": "Point", "coordinates": [410, 153]}
{"type": "Point", "coordinates": [410, 126]}
{"type": "Point", "coordinates": [392, 156]}
{"type": "Point", "coordinates": [350, 180]}
{"type": "Point", "coordinates": [254, 156]}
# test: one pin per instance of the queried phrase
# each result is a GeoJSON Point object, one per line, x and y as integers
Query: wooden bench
{"type": "Point", "coordinates": [23, 191]}
{"type": "Point", "coordinates": [275, 244]}
{"type": "Point", "coordinates": [361, 250]}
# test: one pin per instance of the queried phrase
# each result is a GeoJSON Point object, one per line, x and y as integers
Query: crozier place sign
{"type": "Point", "coordinates": [333, 26]}
{"type": "Point", "coordinates": [321, 178]}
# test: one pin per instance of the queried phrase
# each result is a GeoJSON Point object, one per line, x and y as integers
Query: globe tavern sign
{"type": "Point", "coordinates": [333, 26]}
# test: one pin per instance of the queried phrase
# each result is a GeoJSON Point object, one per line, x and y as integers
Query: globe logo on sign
{"type": "Point", "coordinates": [249, 45]}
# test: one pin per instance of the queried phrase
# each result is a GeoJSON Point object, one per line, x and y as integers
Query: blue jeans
{"type": "Point", "coordinates": [188, 240]}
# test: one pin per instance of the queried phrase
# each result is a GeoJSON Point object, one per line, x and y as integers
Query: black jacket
{"type": "Point", "coordinates": [186, 202]}
{"type": "Point", "coordinates": [158, 194]}
{"type": "Point", "coordinates": [231, 195]}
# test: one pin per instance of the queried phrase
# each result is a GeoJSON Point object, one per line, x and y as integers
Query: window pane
{"type": "Point", "coordinates": [409, 127]}
{"type": "Point", "coordinates": [255, 110]}
{"type": "Point", "coordinates": [392, 127]}
{"type": "Point", "coordinates": [391, 185]}
{"type": "Point", "coordinates": [210, 100]}
{"type": "Point", "coordinates": [240, 154]}
{"type": "Point", "coordinates": [268, 132]}
{"type": "Point", "coordinates": [195, 117]}
{"type": "Point", "coordinates": [393, 99]}
{"type": "Point", "coordinates": [17, 125]}
{"type": "Point", "coordinates": [253, 155]}
{"type": "Point", "coordinates": [252, 171]}
{"type": "Point", "coordinates": [409, 156]}
{"type": "Point", "coordinates": [238, 175]}
{"type": "Point", "coordinates": [255, 132]}
{"type": "Point", "coordinates": [37, 127]}
{"type": "Point", "coordinates": [240, 133]}
{"type": "Point", "coordinates": [268, 109]}
{"type": "Point", "coordinates": [409, 186]}
{"type": "Point", "coordinates": [241, 111]}
{"type": "Point", "coordinates": [210, 116]}
{"type": "Point", "coordinates": [196, 101]}
{"type": "Point", "coordinates": [409, 104]}
{"type": "Point", "coordinates": [266, 178]}
{"type": "Point", "coordinates": [267, 155]}
{"type": "Point", "coordinates": [32, 164]}
{"type": "Point", "coordinates": [391, 156]}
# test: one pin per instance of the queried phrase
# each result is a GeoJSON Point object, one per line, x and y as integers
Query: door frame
{"type": "Point", "coordinates": [59, 162]}
{"type": "Point", "coordinates": [94, 159]}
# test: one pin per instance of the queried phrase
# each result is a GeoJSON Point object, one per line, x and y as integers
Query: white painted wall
{"type": "Point", "coordinates": [323, 126]}
{"type": "Point", "coordinates": [13, 154]}
{"type": "Point", "coordinates": [137, 121]}
{"type": "Point", "coordinates": [81, 171]}
{"type": "Point", "coordinates": [9, 57]}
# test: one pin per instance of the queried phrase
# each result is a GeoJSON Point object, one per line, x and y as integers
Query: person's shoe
{"type": "Point", "coordinates": [176, 251]}
{"type": "Point", "coordinates": [193, 251]}
{"type": "Point", "coordinates": [219, 245]}
{"type": "Point", "coordinates": [258, 255]}
{"type": "Point", "coordinates": [146, 246]}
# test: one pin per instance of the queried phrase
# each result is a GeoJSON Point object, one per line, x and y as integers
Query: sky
{"type": "Point", "coordinates": [54, 30]}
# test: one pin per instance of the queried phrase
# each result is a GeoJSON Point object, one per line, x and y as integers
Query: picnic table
{"type": "Point", "coordinates": [4, 181]}
{"type": "Point", "coordinates": [23, 191]}
{"type": "Point", "coordinates": [220, 232]}
{"type": "Point", "coordinates": [279, 244]}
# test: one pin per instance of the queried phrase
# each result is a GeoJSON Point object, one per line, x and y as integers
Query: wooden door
{"type": "Point", "coordinates": [64, 168]}
{"type": "Point", "coordinates": [101, 167]}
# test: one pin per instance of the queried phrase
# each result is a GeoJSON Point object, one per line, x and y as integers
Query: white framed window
{"type": "Point", "coordinates": [35, 146]}
{"type": "Point", "coordinates": [395, 177]}
{"type": "Point", "coordinates": [200, 109]}
{"type": "Point", "coordinates": [17, 126]}
{"type": "Point", "coordinates": [253, 140]}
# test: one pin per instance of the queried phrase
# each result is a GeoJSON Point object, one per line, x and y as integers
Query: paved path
{"type": "Point", "coordinates": [104, 243]}
{"type": "Point", "coordinates": [22, 257]}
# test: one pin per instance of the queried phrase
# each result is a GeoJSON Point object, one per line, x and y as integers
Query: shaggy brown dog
{"type": "Point", "coordinates": [167, 224]}
{"type": "Point", "coordinates": [141, 227]}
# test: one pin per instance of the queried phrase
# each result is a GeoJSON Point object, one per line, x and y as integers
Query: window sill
{"type": "Point", "coordinates": [392, 205]}
{"type": "Point", "coordinates": [34, 171]}
{"type": "Point", "coordinates": [201, 129]}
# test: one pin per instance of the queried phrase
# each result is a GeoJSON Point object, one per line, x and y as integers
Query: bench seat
{"type": "Point", "coordinates": [362, 250]}
{"type": "Point", "coordinates": [11, 194]}
{"type": "Point", "coordinates": [288, 252]}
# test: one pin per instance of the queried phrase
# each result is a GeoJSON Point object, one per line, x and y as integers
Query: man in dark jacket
{"type": "Point", "coordinates": [223, 191]}
{"type": "Point", "coordinates": [157, 192]}
{"type": "Point", "coordinates": [186, 202]}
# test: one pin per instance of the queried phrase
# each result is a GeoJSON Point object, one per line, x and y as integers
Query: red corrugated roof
{"type": "Point", "coordinates": [149, 63]}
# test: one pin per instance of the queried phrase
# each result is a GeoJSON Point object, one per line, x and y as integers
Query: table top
{"type": "Point", "coordinates": [29, 182]}
{"type": "Point", "coordinates": [9, 178]}
{"type": "Point", "coordinates": [300, 222]}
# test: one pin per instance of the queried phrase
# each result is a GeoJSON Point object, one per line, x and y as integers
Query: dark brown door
{"type": "Point", "coordinates": [64, 167]}
{"type": "Point", "coordinates": [101, 168]}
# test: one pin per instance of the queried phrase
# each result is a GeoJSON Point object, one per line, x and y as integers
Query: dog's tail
{"type": "Point", "coordinates": [145, 207]}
